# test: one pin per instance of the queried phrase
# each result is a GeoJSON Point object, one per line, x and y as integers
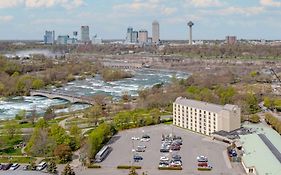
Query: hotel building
{"type": "Point", "coordinates": [205, 118]}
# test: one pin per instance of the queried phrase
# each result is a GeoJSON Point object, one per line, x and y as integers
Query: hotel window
{"type": "Point", "coordinates": [204, 112]}
{"type": "Point", "coordinates": [209, 113]}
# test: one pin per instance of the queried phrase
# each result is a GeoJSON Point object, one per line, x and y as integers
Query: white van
{"type": "Point", "coordinates": [41, 166]}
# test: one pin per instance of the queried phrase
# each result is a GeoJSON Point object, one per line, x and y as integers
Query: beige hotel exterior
{"type": "Point", "coordinates": [205, 118]}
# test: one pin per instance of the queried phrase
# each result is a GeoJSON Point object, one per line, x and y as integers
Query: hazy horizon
{"type": "Point", "coordinates": [214, 19]}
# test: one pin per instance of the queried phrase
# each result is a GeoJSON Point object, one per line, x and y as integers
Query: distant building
{"type": "Point", "coordinates": [135, 36]}
{"type": "Point", "coordinates": [129, 35]}
{"type": "Point", "coordinates": [230, 40]}
{"type": "Point", "coordinates": [149, 40]}
{"type": "Point", "coordinates": [204, 117]}
{"type": "Point", "coordinates": [155, 32]}
{"type": "Point", "coordinates": [96, 40]}
{"type": "Point", "coordinates": [85, 34]}
{"type": "Point", "coordinates": [49, 37]}
{"type": "Point", "coordinates": [143, 36]}
{"type": "Point", "coordinates": [62, 39]}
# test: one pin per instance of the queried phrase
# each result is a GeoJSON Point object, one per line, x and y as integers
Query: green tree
{"type": "Point", "coordinates": [52, 167]}
{"type": "Point", "coordinates": [252, 103]}
{"type": "Point", "coordinates": [41, 123]}
{"type": "Point", "coordinates": [37, 84]}
{"type": "Point", "coordinates": [21, 115]}
{"type": "Point", "coordinates": [68, 170]}
{"type": "Point", "coordinates": [254, 118]}
{"type": "Point", "coordinates": [268, 102]}
{"type": "Point", "coordinates": [59, 135]}
{"type": "Point", "coordinates": [12, 130]}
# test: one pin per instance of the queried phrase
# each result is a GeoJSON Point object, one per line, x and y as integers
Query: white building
{"type": "Point", "coordinates": [205, 118]}
{"type": "Point", "coordinates": [85, 34]}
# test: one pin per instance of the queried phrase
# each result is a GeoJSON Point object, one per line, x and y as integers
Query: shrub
{"type": "Point", "coordinates": [170, 168]}
{"type": "Point", "coordinates": [93, 166]}
{"type": "Point", "coordinates": [128, 167]}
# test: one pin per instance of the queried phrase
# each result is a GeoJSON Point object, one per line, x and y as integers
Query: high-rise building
{"type": "Point", "coordinates": [230, 40]}
{"type": "Point", "coordinates": [62, 39]}
{"type": "Point", "coordinates": [143, 36]}
{"type": "Point", "coordinates": [135, 36]}
{"type": "Point", "coordinates": [49, 37]}
{"type": "Point", "coordinates": [155, 32]}
{"type": "Point", "coordinates": [204, 117]}
{"type": "Point", "coordinates": [129, 35]}
{"type": "Point", "coordinates": [85, 34]}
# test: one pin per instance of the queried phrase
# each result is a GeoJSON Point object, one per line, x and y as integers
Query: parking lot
{"type": "Point", "coordinates": [193, 145]}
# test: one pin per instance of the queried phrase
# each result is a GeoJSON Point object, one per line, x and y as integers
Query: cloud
{"type": "Point", "coordinates": [168, 10]}
{"type": "Point", "coordinates": [9, 3]}
{"type": "Point", "coordinates": [6, 18]}
{"type": "Point", "coordinates": [41, 3]}
{"type": "Point", "coordinates": [272, 3]}
{"type": "Point", "coordinates": [205, 3]}
{"type": "Point", "coordinates": [248, 11]}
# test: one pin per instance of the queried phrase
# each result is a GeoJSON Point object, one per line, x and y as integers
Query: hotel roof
{"type": "Point", "coordinates": [257, 153]}
{"type": "Point", "coordinates": [203, 105]}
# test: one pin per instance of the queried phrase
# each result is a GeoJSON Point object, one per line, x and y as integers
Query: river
{"type": "Point", "coordinates": [144, 78]}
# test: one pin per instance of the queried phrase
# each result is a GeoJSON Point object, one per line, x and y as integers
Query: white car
{"type": "Point", "coordinates": [202, 159]}
{"type": "Point", "coordinates": [142, 146]}
{"type": "Point", "coordinates": [14, 166]}
{"type": "Point", "coordinates": [135, 138]}
{"type": "Point", "coordinates": [145, 140]}
{"type": "Point", "coordinates": [164, 158]}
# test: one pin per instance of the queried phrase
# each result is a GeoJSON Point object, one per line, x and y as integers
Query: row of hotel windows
{"type": "Point", "coordinates": [198, 129]}
{"type": "Point", "coordinates": [195, 119]}
{"type": "Point", "coordinates": [195, 124]}
{"type": "Point", "coordinates": [193, 109]}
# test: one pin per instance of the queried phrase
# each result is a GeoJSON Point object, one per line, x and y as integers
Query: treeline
{"type": "Point", "coordinates": [274, 122]}
{"type": "Point", "coordinates": [247, 51]}
{"type": "Point", "coordinates": [220, 92]}
{"type": "Point", "coordinates": [19, 79]}
{"type": "Point", "coordinates": [122, 120]}
{"type": "Point", "coordinates": [108, 74]}
{"type": "Point", "coordinates": [272, 103]}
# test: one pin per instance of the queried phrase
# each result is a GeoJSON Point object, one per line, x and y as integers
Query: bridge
{"type": "Point", "coordinates": [64, 96]}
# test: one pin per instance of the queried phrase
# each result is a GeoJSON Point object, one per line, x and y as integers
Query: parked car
{"type": "Point", "coordinates": [135, 138]}
{"type": "Point", "coordinates": [176, 157]}
{"type": "Point", "coordinates": [164, 150]}
{"type": "Point", "coordinates": [175, 147]}
{"type": "Point", "coordinates": [145, 140]}
{"type": "Point", "coordinates": [14, 166]}
{"type": "Point", "coordinates": [146, 136]}
{"type": "Point", "coordinates": [137, 158]}
{"type": "Point", "coordinates": [232, 153]}
{"type": "Point", "coordinates": [140, 149]}
{"type": "Point", "coordinates": [203, 164]}
{"type": "Point", "coordinates": [1, 166]}
{"type": "Point", "coordinates": [164, 158]}
{"type": "Point", "coordinates": [202, 159]}
{"type": "Point", "coordinates": [7, 166]}
{"type": "Point", "coordinates": [41, 166]}
{"type": "Point", "coordinates": [163, 164]}
{"type": "Point", "coordinates": [175, 164]}
{"type": "Point", "coordinates": [141, 146]}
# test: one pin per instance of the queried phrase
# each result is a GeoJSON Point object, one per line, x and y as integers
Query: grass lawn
{"type": "Point", "coordinates": [8, 159]}
{"type": "Point", "coordinates": [10, 151]}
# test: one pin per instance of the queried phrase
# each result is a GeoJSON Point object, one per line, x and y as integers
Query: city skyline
{"type": "Point", "coordinates": [255, 19]}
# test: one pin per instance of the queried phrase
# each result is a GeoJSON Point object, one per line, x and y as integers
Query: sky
{"type": "Point", "coordinates": [109, 19]}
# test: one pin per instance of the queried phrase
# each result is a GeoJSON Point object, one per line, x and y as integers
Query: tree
{"type": "Point", "coordinates": [59, 135]}
{"type": "Point", "coordinates": [52, 167]}
{"type": "Point", "coordinates": [68, 170]}
{"type": "Point", "coordinates": [254, 118]}
{"type": "Point", "coordinates": [12, 130]}
{"type": "Point", "coordinates": [252, 103]}
{"type": "Point", "coordinates": [63, 152]}
{"type": "Point", "coordinates": [37, 84]}
{"type": "Point", "coordinates": [41, 123]}
{"type": "Point", "coordinates": [21, 115]}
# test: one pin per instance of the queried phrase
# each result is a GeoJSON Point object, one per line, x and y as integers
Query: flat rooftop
{"type": "Point", "coordinates": [258, 151]}
{"type": "Point", "coordinates": [203, 105]}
